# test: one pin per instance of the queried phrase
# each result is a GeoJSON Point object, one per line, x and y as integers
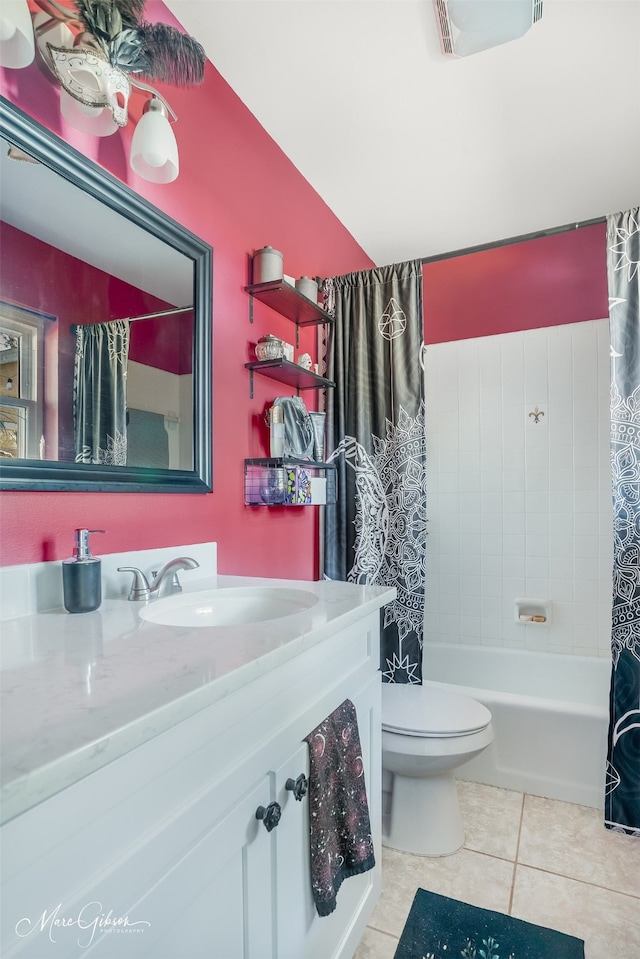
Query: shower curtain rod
{"type": "Point", "coordinates": [151, 316]}
{"type": "Point", "coordinates": [145, 316]}
{"type": "Point", "coordinates": [514, 239]}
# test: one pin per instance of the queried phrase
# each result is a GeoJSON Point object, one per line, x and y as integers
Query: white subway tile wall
{"type": "Point", "coordinates": [519, 488]}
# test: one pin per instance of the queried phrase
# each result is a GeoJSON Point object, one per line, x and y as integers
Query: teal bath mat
{"type": "Point", "coordinates": [442, 928]}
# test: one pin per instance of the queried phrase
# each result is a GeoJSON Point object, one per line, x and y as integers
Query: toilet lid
{"type": "Point", "coordinates": [429, 710]}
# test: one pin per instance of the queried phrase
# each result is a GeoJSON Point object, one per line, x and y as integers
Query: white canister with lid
{"type": "Point", "coordinates": [307, 287]}
{"type": "Point", "coordinates": [267, 265]}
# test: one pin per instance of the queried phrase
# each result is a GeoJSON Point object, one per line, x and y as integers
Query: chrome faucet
{"type": "Point", "coordinates": [164, 582]}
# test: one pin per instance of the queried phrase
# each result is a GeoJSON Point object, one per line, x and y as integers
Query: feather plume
{"type": "Point", "coordinates": [131, 11]}
{"type": "Point", "coordinates": [101, 18]}
{"type": "Point", "coordinates": [107, 19]}
{"type": "Point", "coordinates": [155, 50]}
{"type": "Point", "coordinates": [171, 56]}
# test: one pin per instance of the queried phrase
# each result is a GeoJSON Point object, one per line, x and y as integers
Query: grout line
{"type": "Point", "coordinates": [483, 852]}
{"type": "Point", "coordinates": [515, 858]}
{"type": "Point", "coordinates": [476, 852]}
{"type": "Point", "coordinates": [584, 882]}
{"type": "Point", "coordinates": [383, 932]}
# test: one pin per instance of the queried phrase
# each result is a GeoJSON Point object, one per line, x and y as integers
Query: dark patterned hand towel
{"type": "Point", "coordinates": [340, 830]}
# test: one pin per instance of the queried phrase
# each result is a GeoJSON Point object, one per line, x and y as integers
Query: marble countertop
{"type": "Point", "coordinates": [80, 691]}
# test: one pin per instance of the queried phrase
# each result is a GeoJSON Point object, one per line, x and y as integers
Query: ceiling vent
{"type": "Point", "coordinates": [469, 26]}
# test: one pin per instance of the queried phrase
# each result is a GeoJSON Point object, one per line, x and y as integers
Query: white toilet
{"type": "Point", "coordinates": [427, 733]}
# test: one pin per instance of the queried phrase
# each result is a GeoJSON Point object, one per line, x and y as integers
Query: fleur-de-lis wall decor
{"type": "Point", "coordinates": [536, 413]}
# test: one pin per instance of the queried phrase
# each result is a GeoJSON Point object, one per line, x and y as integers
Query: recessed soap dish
{"type": "Point", "coordinates": [536, 611]}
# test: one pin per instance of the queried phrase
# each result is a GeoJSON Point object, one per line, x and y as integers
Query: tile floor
{"type": "Point", "coordinates": [548, 862]}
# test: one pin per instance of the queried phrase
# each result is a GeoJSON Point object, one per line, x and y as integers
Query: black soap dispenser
{"type": "Point", "coordinates": [81, 576]}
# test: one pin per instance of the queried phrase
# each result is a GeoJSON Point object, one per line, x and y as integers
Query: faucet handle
{"type": "Point", "coordinates": [139, 592]}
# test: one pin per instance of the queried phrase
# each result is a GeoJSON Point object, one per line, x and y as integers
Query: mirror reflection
{"type": "Point", "coordinates": [99, 332]}
{"type": "Point", "coordinates": [96, 365]}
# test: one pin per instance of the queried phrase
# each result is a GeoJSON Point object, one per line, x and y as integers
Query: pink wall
{"type": "Point", "coordinates": [238, 191]}
{"type": "Point", "coordinates": [549, 281]}
{"type": "Point", "coordinates": [166, 343]}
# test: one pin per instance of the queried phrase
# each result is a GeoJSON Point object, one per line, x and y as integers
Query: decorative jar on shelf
{"type": "Point", "coordinates": [269, 347]}
{"type": "Point", "coordinates": [307, 287]}
{"type": "Point", "coordinates": [267, 265]}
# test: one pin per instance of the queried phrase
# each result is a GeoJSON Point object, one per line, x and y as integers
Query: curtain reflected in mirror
{"type": "Point", "coordinates": [100, 393]}
{"type": "Point", "coordinates": [132, 392]}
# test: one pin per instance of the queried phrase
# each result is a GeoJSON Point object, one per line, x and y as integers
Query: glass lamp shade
{"type": "Point", "coordinates": [154, 151]}
{"type": "Point", "coordinates": [97, 121]}
{"type": "Point", "coordinates": [17, 48]}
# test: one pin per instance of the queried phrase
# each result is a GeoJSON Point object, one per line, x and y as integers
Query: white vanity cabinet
{"type": "Point", "coordinates": [167, 835]}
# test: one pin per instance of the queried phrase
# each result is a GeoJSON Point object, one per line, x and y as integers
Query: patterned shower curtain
{"type": "Point", "coordinates": [100, 393]}
{"type": "Point", "coordinates": [622, 802]}
{"type": "Point", "coordinates": [376, 533]}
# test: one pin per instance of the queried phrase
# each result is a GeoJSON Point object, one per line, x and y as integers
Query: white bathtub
{"type": "Point", "coordinates": [550, 716]}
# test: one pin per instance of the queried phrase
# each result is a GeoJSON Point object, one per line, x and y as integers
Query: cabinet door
{"type": "Point", "coordinates": [295, 908]}
{"type": "Point", "coordinates": [215, 901]}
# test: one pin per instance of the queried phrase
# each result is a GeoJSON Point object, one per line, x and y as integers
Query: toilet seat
{"type": "Point", "coordinates": [431, 712]}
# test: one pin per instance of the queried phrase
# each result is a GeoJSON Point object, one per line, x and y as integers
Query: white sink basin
{"type": "Point", "coordinates": [228, 607]}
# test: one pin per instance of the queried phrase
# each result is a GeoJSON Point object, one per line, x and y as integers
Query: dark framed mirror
{"type": "Point", "coordinates": [105, 302]}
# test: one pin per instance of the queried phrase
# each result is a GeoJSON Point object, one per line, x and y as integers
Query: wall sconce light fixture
{"type": "Point", "coordinates": [154, 151]}
{"type": "Point", "coordinates": [97, 51]}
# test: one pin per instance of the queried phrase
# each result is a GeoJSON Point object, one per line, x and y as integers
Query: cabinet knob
{"type": "Point", "coordinates": [298, 787]}
{"type": "Point", "coordinates": [270, 815]}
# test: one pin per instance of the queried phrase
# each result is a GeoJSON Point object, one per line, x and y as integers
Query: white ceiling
{"type": "Point", "coordinates": [418, 154]}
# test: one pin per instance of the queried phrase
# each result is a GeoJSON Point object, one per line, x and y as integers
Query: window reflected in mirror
{"type": "Point", "coordinates": [21, 383]}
